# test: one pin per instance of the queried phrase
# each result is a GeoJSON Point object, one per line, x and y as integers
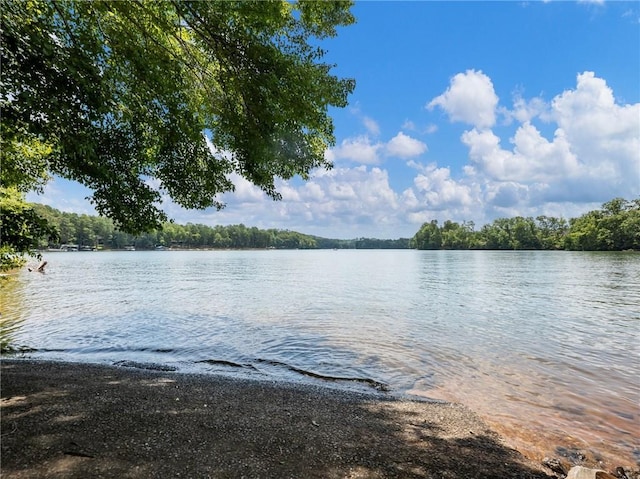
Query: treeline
{"type": "Point", "coordinates": [99, 232]}
{"type": "Point", "coordinates": [614, 227]}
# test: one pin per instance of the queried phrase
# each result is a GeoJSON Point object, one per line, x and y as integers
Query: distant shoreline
{"type": "Point", "coordinates": [173, 249]}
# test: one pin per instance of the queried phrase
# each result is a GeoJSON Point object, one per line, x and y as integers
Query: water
{"type": "Point", "coordinates": [544, 345]}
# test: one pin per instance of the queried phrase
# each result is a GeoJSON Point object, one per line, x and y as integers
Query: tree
{"type": "Point", "coordinates": [20, 229]}
{"type": "Point", "coordinates": [428, 236]}
{"type": "Point", "coordinates": [524, 232]}
{"type": "Point", "coordinates": [497, 235]}
{"type": "Point", "coordinates": [630, 226]}
{"type": "Point", "coordinates": [611, 233]}
{"type": "Point", "coordinates": [139, 99]}
{"type": "Point", "coordinates": [457, 236]}
{"type": "Point", "coordinates": [551, 231]}
{"type": "Point", "coordinates": [613, 228]}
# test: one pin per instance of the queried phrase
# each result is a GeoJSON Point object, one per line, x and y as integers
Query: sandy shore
{"type": "Point", "coordinates": [79, 421]}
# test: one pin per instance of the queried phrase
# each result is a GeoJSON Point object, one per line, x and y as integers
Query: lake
{"type": "Point", "coordinates": [543, 345]}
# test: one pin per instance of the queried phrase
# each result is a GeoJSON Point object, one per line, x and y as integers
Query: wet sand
{"type": "Point", "coordinates": [76, 421]}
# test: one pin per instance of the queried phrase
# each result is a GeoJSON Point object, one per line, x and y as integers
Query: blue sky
{"type": "Point", "coordinates": [465, 111]}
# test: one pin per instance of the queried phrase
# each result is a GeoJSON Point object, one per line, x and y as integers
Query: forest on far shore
{"type": "Point", "coordinates": [100, 233]}
{"type": "Point", "coordinates": [614, 227]}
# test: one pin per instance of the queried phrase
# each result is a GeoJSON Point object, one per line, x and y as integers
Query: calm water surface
{"type": "Point", "coordinates": [544, 345]}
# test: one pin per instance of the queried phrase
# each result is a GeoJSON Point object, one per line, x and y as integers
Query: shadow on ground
{"type": "Point", "coordinates": [75, 421]}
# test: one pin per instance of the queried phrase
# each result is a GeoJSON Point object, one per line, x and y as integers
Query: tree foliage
{"type": "Point", "coordinates": [615, 227]}
{"type": "Point", "coordinates": [140, 99]}
{"type": "Point", "coordinates": [21, 229]}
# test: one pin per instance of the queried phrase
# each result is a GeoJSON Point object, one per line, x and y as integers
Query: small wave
{"type": "Point", "coordinates": [109, 349]}
{"type": "Point", "coordinates": [149, 366]}
{"type": "Point", "coordinates": [380, 386]}
{"type": "Point", "coordinates": [222, 362]}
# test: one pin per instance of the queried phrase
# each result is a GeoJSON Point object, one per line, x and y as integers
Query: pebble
{"type": "Point", "coordinates": [579, 472]}
{"type": "Point", "coordinates": [555, 465]}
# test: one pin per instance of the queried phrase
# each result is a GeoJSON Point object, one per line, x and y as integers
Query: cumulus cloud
{"type": "Point", "coordinates": [369, 186]}
{"type": "Point", "coordinates": [344, 202]}
{"type": "Point", "coordinates": [245, 191]}
{"type": "Point", "coordinates": [594, 151]}
{"type": "Point", "coordinates": [604, 135]}
{"type": "Point", "coordinates": [436, 190]}
{"type": "Point", "coordinates": [470, 98]}
{"type": "Point", "coordinates": [532, 159]}
{"type": "Point", "coordinates": [359, 200]}
{"type": "Point", "coordinates": [589, 155]}
{"type": "Point", "coordinates": [403, 146]}
{"type": "Point", "coordinates": [526, 110]}
{"type": "Point", "coordinates": [506, 194]}
{"type": "Point", "coordinates": [362, 150]}
{"type": "Point", "coordinates": [593, 155]}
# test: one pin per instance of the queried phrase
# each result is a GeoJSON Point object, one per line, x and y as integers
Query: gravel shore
{"type": "Point", "coordinates": [79, 421]}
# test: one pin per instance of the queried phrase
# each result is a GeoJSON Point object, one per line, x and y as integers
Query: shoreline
{"type": "Point", "coordinates": [82, 420]}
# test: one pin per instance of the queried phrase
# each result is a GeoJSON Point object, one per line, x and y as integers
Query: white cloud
{"type": "Point", "coordinates": [594, 154]}
{"type": "Point", "coordinates": [526, 110]}
{"type": "Point", "coordinates": [436, 190]}
{"type": "Point", "coordinates": [369, 186]}
{"type": "Point", "coordinates": [341, 191]}
{"type": "Point", "coordinates": [632, 15]}
{"type": "Point", "coordinates": [371, 125]}
{"type": "Point", "coordinates": [245, 192]}
{"type": "Point", "coordinates": [64, 195]}
{"type": "Point", "coordinates": [507, 194]}
{"type": "Point", "coordinates": [590, 154]}
{"type": "Point", "coordinates": [356, 201]}
{"type": "Point", "coordinates": [431, 128]}
{"type": "Point", "coordinates": [604, 135]}
{"type": "Point", "coordinates": [342, 202]}
{"type": "Point", "coordinates": [403, 146]}
{"type": "Point", "coordinates": [312, 191]}
{"type": "Point", "coordinates": [360, 150]}
{"type": "Point", "coordinates": [533, 158]}
{"type": "Point", "coordinates": [470, 98]}
{"type": "Point", "coordinates": [409, 125]}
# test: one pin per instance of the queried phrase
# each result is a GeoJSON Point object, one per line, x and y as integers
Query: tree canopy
{"type": "Point", "coordinates": [141, 99]}
{"type": "Point", "coordinates": [615, 227]}
{"type": "Point", "coordinates": [21, 229]}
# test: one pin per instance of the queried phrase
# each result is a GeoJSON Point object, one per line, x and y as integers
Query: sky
{"type": "Point", "coordinates": [463, 111]}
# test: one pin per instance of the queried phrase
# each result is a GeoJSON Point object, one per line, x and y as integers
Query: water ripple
{"type": "Point", "coordinates": [547, 336]}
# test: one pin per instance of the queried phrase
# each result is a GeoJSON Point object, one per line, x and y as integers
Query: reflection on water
{"type": "Point", "coordinates": [543, 344]}
{"type": "Point", "coordinates": [11, 312]}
